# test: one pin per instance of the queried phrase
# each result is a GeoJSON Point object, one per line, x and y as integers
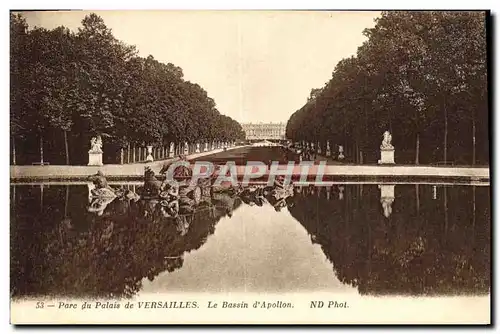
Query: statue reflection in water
{"type": "Point", "coordinates": [387, 198]}
{"type": "Point", "coordinates": [278, 195]}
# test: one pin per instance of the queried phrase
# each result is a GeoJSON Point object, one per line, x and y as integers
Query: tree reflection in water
{"type": "Point", "coordinates": [425, 246]}
{"type": "Point", "coordinates": [105, 252]}
{"type": "Point", "coordinates": [404, 239]}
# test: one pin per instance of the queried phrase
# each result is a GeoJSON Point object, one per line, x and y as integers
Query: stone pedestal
{"type": "Point", "coordinates": [387, 198]}
{"type": "Point", "coordinates": [95, 158]}
{"type": "Point", "coordinates": [149, 157]}
{"type": "Point", "coordinates": [197, 148]}
{"type": "Point", "coordinates": [386, 156]}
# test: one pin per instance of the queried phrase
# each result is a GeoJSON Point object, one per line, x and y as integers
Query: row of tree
{"type": "Point", "coordinates": [69, 86]}
{"type": "Point", "coordinates": [422, 75]}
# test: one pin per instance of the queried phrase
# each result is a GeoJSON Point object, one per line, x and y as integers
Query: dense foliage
{"type": "Point", "coordinates": [69, 86]}
{"type": "Point", "coordinates": [420, 75]}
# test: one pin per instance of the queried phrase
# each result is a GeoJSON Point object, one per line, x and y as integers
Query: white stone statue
{"type": "Point", "coordinates": [341, 152]}
{"type": "Point", "coordinates": [197, 148]}
{"type": "Point", "coordinates": [328, 150]}
{"type": "Point", "coordinates": [96, 145]}
{"type": "Point", "coordinates": [149, 157]}
{"type": "Point", "coordinates": [172, 150]}
{"type": "Point", "coordinates": [386, 142]}
{"type": "Point", "coordinates": [95, 152]}
{"type": "Point", "coordinates": [386, 150]}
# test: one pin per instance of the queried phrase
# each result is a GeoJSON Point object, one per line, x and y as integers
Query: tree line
{"type": "Point", "coordinates": [67, 87]}
{"type": "Point", "coordinates": [422, 75]}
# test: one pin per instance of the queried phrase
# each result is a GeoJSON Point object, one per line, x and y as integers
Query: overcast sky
{"type": "Point", "coordinates": [258, 66]}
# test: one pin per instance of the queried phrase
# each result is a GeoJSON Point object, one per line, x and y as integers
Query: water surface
{"type": "Point", "coordinates": [363, 238]}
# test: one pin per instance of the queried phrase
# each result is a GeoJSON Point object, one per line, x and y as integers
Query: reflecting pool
{"type": "Point", "coordinates": [369, 239]}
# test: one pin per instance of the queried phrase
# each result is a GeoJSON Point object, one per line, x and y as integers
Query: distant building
{"type": "Point", "coordinates": [259, 131]}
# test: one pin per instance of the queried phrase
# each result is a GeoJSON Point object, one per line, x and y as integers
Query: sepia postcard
{"type": "Point", "coordinates": [250, 167]}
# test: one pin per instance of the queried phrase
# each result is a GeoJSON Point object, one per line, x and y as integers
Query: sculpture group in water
{"type": "Point", "coordinates": [164, 198]}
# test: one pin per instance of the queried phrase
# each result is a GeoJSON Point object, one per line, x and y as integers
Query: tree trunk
{"type": "Point", "coordinates": [417, 196]}
{"type": "Point", "coordinates": [417, 150]}
{"type": "Point", "coordinates": [41, 198]}
{"type": "Point", "coordinates": [14, 197]}
{"type": "Point", "coordinates": [66, 148]}
{"type": "Point", "coordinates": [473, 141]}
{"type": "Point", "coordinates": [445, 130]}
{"type": "Point", "coordinates": [446, 212]}
{"type": "Point", "coordinates": [357, 151]}
{"type": "Point", "coordinates": [13, 150]}
{"type": "Point", "coordinates": [474, 208]}
{"type": "Point", "coordinates": [41, 149]}
{"type": "Point", "coordinates": [121, 156]}
{"type": "Point", "coordinates": [133, 153]}
{"type": "Point", "coordinates": [128, 153]}
{"type": "Point", "coordinates": [66, 202]}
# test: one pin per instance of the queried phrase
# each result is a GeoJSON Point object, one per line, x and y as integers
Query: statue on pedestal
{"type": "Point", "coordinates": [95, 152]}
{"type": "Point", "coordinates": [197, 148]}
{"type": "Point", "coordinates": [149, 157]}
{"type": "Point", "coordinates": [328, 150]}
{"type": "Point", "coordinates": [386, 149]}
{"type": "Point", "coordinates": [319, 148]}
{"type": "Point", "coordinates": [171, 152]}
{"type": "Point", "coordinates": [341, 152]}
{"type": "Point", "coordinates": [206, 147]}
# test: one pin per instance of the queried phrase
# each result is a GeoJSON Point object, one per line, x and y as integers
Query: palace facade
{"type": "Point", "coordinates": [258, 131]}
